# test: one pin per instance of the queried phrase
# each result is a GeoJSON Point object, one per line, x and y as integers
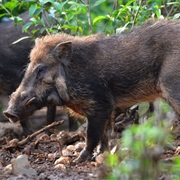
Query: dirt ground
{"type": "Point", "coordinates": [43, 151]}
{"type": "Point", "coordinates": [51, 156]}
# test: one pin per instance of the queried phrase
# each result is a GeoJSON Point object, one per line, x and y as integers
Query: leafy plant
{"type": "Point", "coordinates": [86, 17]}
{"type": "Point", "coordinates": [140, 153]}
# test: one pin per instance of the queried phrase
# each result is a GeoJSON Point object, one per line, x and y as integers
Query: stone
{"type": "Point", "coordinates": [21, 165]}
{"type": "Point", "coordinates": [62, 160]}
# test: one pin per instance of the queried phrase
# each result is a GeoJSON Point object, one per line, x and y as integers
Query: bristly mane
{"type": "Point", "coordinates": [46, 44]}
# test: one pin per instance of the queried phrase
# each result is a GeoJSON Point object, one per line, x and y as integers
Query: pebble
{"type": "Point", "coordinates": [51, 156]}
{"type": "Point", "coordinates": [100, 159]}
{"type": "Point", "coordinates": [8, 169]}
{"type": "Point", "coordinates": [60, 166]}
{"type": "Point", "coordinates": [21, 165]}
{"type": "Point", "coordinates": [62, 160]}
{"type": "Point", "coordinates": [67, 153]}
{"type": "Point", "coordinates": [1, 166]}
{"type": "Point", "coordinates": [79, 146]}
{"type": "Point", "coordinates": [70, 147]}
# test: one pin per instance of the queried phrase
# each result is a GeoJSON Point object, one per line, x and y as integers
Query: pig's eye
{"type": "Point", "coordinates": [40, 72]}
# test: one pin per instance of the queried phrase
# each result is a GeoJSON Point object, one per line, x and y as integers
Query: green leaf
{"type": "Point", "coordinates": [17, 19]}
{"type": "Point", "coordinates": [32, 9]}
{"type": "Point", "coordinates": [42, 30]}
{"type": "Point", "coordinates": [120, 30]}
{"type": "Point", "coordinates": [26, 26]}
{"type": "Point", "coordinates": [34, 31]}
{"type": "Point", "coordinates": [57, 6]}
{"type": "Point", "coordinates": [97, 3]}
{"type": "Point", "coordinates": [113, 160]}
{"type": "Point", "coordinates": [4, 14]}
{"type": "Point", "coordinates": [174, 3]}
{"type": "Point", "coordinates": [72, 3]}
{"type": "Point", "coordinates": [43, 2]}
{"type": "Point", "coordinates": [38, 11]}
{"type": "Point", "coordinates": [10, 5]}
{"type": "Point", "coordinates": [29, 0]}
{"type": "Point", "coordinates": [143, 108]}
{"type": "Point", "coordinates": [33, 20]}
{"type": "Point", "coordinates": [98, 18]}
{"type": "Point", "coordinates": [176, 16]}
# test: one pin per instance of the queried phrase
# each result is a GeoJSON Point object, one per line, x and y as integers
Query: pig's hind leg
{"type": "Point", "coordinates": [170, 87]}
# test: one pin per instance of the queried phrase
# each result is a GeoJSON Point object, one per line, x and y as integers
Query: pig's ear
{"type": "Point", "coordinates": [62, 50]}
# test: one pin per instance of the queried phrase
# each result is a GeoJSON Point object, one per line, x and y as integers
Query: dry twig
{"type": "Point", "coordinates": [30, 137]}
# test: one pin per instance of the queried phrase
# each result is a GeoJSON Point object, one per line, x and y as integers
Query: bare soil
{"type": "Point", "coordinates": [43, 152]}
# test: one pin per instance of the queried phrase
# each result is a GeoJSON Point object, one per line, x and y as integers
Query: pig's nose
{"type": "Point", "coordinates": [11, 116]}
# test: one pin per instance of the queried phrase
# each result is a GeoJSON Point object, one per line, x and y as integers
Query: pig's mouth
{"type": "Point", "coordinates": [32, 104]}
{"type": "Point", "coordinates": [24, 112]}
{"type": "Point", "coordinates": [11, 116]}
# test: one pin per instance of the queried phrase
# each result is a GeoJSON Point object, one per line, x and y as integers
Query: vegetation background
{"type": "Point", "coordinates": [83, 17]}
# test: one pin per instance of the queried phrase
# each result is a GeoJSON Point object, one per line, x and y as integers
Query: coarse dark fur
{"type": "Point", "coordinates": [93, 75]}
{"type": "Point", "coordinates": [13, 57]}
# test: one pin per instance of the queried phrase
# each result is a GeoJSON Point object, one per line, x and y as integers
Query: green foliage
{"type": "Point", "coordinates": [140, 153]}
{"type": "Point", "coordinates": [85, 17]}
{"type": "Point", "coordinates": [165, 108]}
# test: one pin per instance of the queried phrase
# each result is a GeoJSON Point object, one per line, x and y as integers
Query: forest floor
{"type": "Point", "coordinates": [50, 157]}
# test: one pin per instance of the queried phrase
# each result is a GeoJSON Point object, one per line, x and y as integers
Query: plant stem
{"type": "Point", "coordinates": [137, 12]}
{"type": "Point", "coordinates": [89, 16]}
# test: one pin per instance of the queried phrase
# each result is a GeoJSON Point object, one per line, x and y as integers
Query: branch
{"type": "Point", "coordinates": [15, 143]}
{"type": "Point", "coordinates": [30, 137]}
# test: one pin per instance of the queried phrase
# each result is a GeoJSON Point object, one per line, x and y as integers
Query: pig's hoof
{"type": "Point", "coordinates": [84, 156]}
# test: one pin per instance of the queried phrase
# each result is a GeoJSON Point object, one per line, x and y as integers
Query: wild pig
{"type": "Point", "coordinates": [93, 75]}
{"type": "Point", "coordinates": [13, 59]}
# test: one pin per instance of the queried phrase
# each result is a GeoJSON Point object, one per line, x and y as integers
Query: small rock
{"type": "Point", "coordinates": [62, 160]}
{"type": "Point", "coordinates": [76, 154]}
{"type": "Point", "coordinates": [79, 146]}
{"type": "Point", "coordinates": [1, 166]}
{"type": "Point", "coordinates": [42, 176]}
{"type": "Point", "coordinates": [100, 159]}
{"type": "Point", "coordinates": [52, 177]}
{"type": "Point", "coordinates": [21, 165]}
{"type": "Point", "coordinates": [70, 147]}
{"type": "Point", "coordinates": [67, 153]}
{"type": "Point", "coordinates": [51, 156]}
{"type": "Point", "coordinates": [94, 163]}
{"type": "Point", "coordinates": [60, 166]}
{"type": "Point", "coordinates": [92, 175]}
{"type": "Point", "coordinates": [177, 150]}
{"type": "Point", "coordinates": [8, 169]}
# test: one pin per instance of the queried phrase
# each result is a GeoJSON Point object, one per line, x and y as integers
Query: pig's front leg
{"type": "Point", "coordinates": [95, 129]}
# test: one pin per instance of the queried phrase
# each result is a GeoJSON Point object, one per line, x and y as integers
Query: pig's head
{"type": "Point", "coordinates": [44, 81]}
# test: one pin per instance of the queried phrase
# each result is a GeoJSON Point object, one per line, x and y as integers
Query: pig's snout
{"type": "Point", "coordinates": [11, 116]}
